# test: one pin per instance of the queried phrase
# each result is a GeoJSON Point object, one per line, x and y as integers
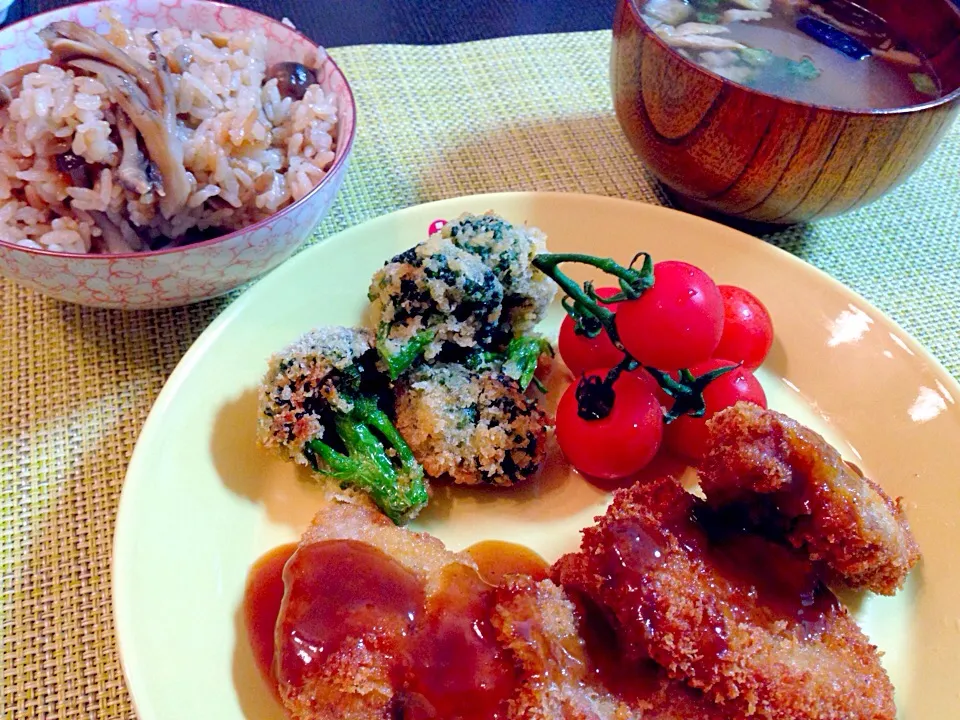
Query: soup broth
{"type": "Point", "coordinates": [829, 52]}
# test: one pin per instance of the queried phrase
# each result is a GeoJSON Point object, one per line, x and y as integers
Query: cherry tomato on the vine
{"type": "Point", "coordinates": [621, 443]}
{"type": "Point", "coordinates": [688, 436]}
{"type": "Point", "coordinates": [747, 328]}
{"type": "Point", "coordinates": [651, 382]}
{"type": "Point", "coordinates": [675, 324]}
{"type": "Point", "coordinates": [582, 353]}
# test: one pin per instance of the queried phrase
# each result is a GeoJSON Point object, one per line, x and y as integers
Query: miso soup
{"type": "Point", "coordinates": [826, 52]}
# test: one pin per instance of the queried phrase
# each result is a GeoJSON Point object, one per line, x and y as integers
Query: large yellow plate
{"type": "Point", "coordinates": [201, 502]}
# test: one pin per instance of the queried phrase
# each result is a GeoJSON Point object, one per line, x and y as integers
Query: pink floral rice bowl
{"type": "Point", "coordinates": [183, 274]}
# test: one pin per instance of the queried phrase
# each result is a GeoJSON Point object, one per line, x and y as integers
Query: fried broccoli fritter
{"type": "Point", "coordinates": [471, 287]}
{"type": "Point", "coordinates": [477, 427]}
{"type": "Point", "coordinates": [298, 386]}
{"type": "Point", "coordinates": [322, 405]}
{"type": "Point", "coordinates": [508, 251]}
{"type": "Point", "coordinates": [429, 296]}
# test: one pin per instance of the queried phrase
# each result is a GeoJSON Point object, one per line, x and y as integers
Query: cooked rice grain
{"type": "Point", "coordinates": [248, 151]}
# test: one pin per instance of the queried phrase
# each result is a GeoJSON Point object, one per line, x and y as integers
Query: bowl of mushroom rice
{"type": "Point", "coordinates": [158, 154]}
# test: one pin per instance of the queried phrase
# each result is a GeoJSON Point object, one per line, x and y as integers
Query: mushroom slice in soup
{"type": "Point", "coordinates": [762, 5]}
{"type": "Point", "coordinates": [697, 28]}
{"type": "Point", "coordinates": [671, 12]}
{"type": "Point", "coordinates": [702, 42]}
{"type": "Point", "coordinates": [736, 15]}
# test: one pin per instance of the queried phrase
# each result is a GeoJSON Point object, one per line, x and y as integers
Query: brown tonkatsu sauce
{"type": "Point", "coordinates": [632, 680]}
{"type": "Point", "coordinates": [496, 559]}
{"type": "Point", "coordinates": [768, 581]}
{"type": "Point", "coordinates": [446, 661]}
{"type": "Point", "coordinates": [261, 607]}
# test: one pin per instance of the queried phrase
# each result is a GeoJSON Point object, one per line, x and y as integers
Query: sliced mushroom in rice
{"type": "Point", "coordinates": [112, 236]}
{"type": "Point", "coordinates": [180, 59]}
{"type": "Point", "coordinates": [68, 41]}
{"type": "Point", "coordinates": [144, 94]}
{"type": "Point", "coordinates": [132, 172]}
{"type": "Point", "coordinates": [160, 140]}
{"type": "Point", "coordinates": [161, 69]}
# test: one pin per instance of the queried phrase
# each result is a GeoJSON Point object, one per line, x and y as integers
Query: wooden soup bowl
{"type": "Point", "coordinates": [721, 146]}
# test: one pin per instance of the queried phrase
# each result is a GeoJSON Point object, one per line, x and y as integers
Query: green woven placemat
{"type": "Point", "coordinates": [530, 113]}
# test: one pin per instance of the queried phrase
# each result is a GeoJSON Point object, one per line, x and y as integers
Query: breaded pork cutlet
{"type": "Point", "coordinates": [477, 427]}
{"type": "Point", "coordinates": [572, 672]}
{"type": "Point", "coordinates": [427, 638]}
{"type": "Point", "coordinates": [786, 477]}
{"type": "Point", "coordinates": [746, 621]}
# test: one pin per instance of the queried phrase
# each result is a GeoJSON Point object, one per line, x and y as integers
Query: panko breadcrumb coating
{"type": "Point", "coordinates": [508, 250]}
{"type": "Point", "coordinates": [439, 288]}
{"type": "Point", "coordinates": [325, 403]}
{"type": "Point", "coordinates": [476, 427]}
{"type": "Point", "coordinates": [786, 476]}
{"type": "Point", "coordinates": [745, 621]}
{"type": "Point", "coordinates": [298, 385]}
{"type": "Point", "coordinates": [534, 625]}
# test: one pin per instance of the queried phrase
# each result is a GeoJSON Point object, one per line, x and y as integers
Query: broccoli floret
{"type": "Point", "coordinates": [401, 357]}
{"type": "Point", "coordinates": [476, 427]}
{"type": "Point", "coordinates": [469, 290]}
{"type": "Point", "coordinates": [321, 404]}
{"type": "Point", "coordinates": [519, 360]}
{"type": "Point", "coordinates": [432, 296]}
{"type": "Point", "coordinates": [508, 251]}
{"type": "Point", "coordinates": [522, 357]}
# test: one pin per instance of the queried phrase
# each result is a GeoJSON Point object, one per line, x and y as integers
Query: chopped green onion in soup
{"type": "Point", "coordinates": [924, 83]}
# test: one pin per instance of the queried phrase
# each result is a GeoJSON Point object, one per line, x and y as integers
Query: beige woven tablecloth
{"type": "Point", "coordinates": [529, 113]}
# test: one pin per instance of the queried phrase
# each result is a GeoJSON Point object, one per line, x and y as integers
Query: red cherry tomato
{"type": "Point", "coordinates": [675, 324]}
{"type": "Point", "coordinates": [747, 328]}
{"type": "Point", "coordinates": [620, 444]}
{"type": "Point", "coordinates": [582, 353]}
{"type": "Point", "coordinates": [652, 384]}
{"type": "Point", "coordinates": [688, 436]}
